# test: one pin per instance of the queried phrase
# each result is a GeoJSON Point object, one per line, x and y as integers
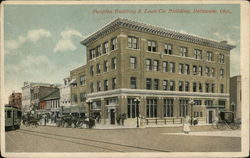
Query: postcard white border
{"type": "Point", "coordinates": [244, 7]}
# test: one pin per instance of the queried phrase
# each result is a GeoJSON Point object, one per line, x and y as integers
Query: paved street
{"type": "Point", "coordinates": [164, 139]}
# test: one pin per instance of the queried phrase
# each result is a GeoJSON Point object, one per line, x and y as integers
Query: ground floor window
{"type": "Point", "coordinates": [168, 107]}
{"type": "Point", "coordinates": [132, 108]}
{"type": "Point", "coordinates": [183, 107]}
{"type": "Point", "coordinates": [151, 107]}
{"type": "Point", "coordinates": [110, 101]}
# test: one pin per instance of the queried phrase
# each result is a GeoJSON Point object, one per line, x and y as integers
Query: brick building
{"type": "Point", "coordinates": [173, 74]}
{"type": "Point", "coordinates": [235, 95]}
{"type": "Point", "coordinates": [15, 100]}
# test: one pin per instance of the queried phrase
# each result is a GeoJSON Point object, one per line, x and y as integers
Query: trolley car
{"type": "Point", "coordinates": [13, 118]}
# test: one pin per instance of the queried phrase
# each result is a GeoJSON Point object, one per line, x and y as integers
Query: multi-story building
{"type": "Point", "coordinates": [235, 95]}
{"type": "Point", "coordinates": [173, 74]}
{"type": "Point", "coordinates": [50, 104]}
{"type": "Point", "coordinates": [15, 100]}
{"type": "Point", "coordinates": [65, 93]}
{"type": "Point", "coordinates": [26, 95]}
{"type": "Point", "coordinates": [78, 88]}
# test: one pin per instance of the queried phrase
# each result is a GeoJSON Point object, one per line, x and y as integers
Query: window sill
{"type": "Point", "coordinates": [133, 49]}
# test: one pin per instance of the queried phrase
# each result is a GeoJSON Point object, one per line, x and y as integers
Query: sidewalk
{"type": "Point", "coordinates": [226, 133]}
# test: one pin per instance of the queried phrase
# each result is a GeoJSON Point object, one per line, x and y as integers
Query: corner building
{"type": "Point", "coordinates": [173, 74]}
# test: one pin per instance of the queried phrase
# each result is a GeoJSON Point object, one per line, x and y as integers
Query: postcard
{"type": "Point", "coordinates": [125, 79]}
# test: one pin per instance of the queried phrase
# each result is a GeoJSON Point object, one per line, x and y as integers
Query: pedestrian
{"type": "Point", "coordinates": [186, 128]}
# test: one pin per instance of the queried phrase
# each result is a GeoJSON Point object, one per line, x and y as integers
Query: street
{"type": "Point", "coordinates": [165, 139]}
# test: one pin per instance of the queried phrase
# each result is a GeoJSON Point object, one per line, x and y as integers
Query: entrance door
{"type": "Point", "coordinates": [210, 116]}
{"type": "Point", "coordinates": [112, 116]}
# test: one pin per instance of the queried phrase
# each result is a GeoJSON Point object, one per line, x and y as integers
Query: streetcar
{"type": "Point", "coordinates": [13, 117]}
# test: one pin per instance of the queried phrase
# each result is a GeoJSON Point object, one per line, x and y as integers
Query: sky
{"type": "Point", "coordinates": [42, 42]}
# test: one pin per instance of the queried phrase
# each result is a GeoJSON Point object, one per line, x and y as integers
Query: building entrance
{"type": "Point", "coordinates": [112, 116]}
{"type": "Point", "coordinates": [210, 116]}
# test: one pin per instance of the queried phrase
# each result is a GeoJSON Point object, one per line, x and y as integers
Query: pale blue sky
{"type": "Point", "coordinates": [42, 42]}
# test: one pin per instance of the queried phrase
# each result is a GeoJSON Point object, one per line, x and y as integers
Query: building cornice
{"type": "Point", "coordinates": [141, 27]}
{"type": "Point", "coordinates": [155, 93]}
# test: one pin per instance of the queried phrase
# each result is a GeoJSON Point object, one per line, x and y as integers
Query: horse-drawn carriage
{"type": "Point", "coordinates": [69, 120]}
{"type": "Point", "coordinates": [30, 121]}
{"type": "Point", "coordinates": [225, 120]}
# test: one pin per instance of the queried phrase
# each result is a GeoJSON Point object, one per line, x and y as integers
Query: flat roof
{"type": "Point", "coordinates": [142, 27]}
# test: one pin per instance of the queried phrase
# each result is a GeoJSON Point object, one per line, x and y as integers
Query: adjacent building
{"type": "Point", "coordinates": [32, 93]}
{"type": "Point", "coordinates": [173, 74]}
{"type": "Point", "coordinates": [15, 100]}
{"type": "Point", "coordinates": [65, 93]}
{"type": "Point", "coordinates": [235, 95]}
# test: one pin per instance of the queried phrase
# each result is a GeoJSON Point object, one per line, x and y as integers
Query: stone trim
{"type": "Point", "coordinates": [141, 27]}
{"type": "Point", "coordinates": [155, 93]}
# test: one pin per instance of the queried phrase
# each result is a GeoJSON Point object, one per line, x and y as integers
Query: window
{"type": "Point", "coordinates": [222, 88]}
{"type": "Point", "coordinates": [197, 102]}
{"type": "Point", "coordinates": [208, 102]}
{"type": "Point", "coordinates": [133, 82]}
{"type": "Point", "coordinates": [152, 46]}
{"type": "Point", "coordinates": [98, 68]}
{"type": "Point", "coordinates": [221, 58]}
{"type": "Point", "coordinates": [156, 84]}
{"type": "Point", "coordinates": [221, 73]}
{"type": "Point", "coordinates": [168, 49]}
{"type": "Point", "coordinates": [194, 87]}
{"type": "Point", "coordinates": [181, 69]}
{"type": "Point", "coordinates": [194, 69]}
{"type": "Point", "coordinates": [165, 85]}
{"type": "Point", "coordinates": [212, 72]}
{"type": "Point", "coordinates": [106, 85]}
{"type": "Point", "coordinates": [105, 66]}
{"type": "Point", "coordinates": [82, 97]}
{"type": "Point", "coordinates": [105, 47]}
{"type": "Point", "coordinates": [148, 64]}
{"type": "Point", "coordinates": [172, 69]}
{"type": "Point", "coordinates": [207, 87]}
{"type": "Point", "coordinates": [200, 71]}
{"type": "Point", "coordinates": [8, 114]}
{"type": "Point", "coordinates": [186, 70]}
{"type": "Point", "coordinates": [91, 87]}
{"type": "Point", "coordinates": [148, 83]}
{"type": "Point", "coordinates": [200, 87]}
{"type": "Point", "coordinates": [113, 63]}
{"type": "Point", "coordinates": [82, 80]}
{"type": "Point", "coordinates": [98, 51]}
{"type": "Point", "coordinates": [209, 56]}
{"type": "Point", "coordinates": [165, 66]}
{"type": "Point", "coordinates": [92, 54]}
{"type": "Point", "coordinates": [133, 42]}
{"type": "Point", "coordinates": [213, 88]}
{"type": "Point", "coordinates": [156, 65]}
{"type": "Point", "coordinates": [197, 54]}
{"type": "Point", "coordinates": [133, 109]}
{"type": "Point", "coordinates": [133, 62]}
{"type": "Point", "coordinates": [91, 70]}
{"type": "Point", "coordinates": [98, 86]}
{"type": "Point", "coordinates": [180, 85]}
{"type": "Point", "coordinates": [186, 86]}
{"type": "Point", "coordinates": [172, 86]}
{"type": "Point", "coordinates": [151, 107]}
{"type": "Point", "coordinates": [183, 104]}
{"type": "Point", "coordinates": [74, 98]}
{"type": "Point", "coordinates": [222, 102]}
{"type": "Point", "coordinates": [207, 71]}
{"type": "Point", "coordinates": [114, 83]}
{"type": "Point", "coordinates": [114, 43]}
{"type": "Point", "coordinates": [183, 51]}
{"type": "Point", "coordinates": [168, 107]}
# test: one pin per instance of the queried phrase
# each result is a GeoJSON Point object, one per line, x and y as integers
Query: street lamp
{"type": "Point", "coordinates": [89, 102]}
{"type": "Point", "coordinates": [191, 102]}
{"type": "Point", "coordinates": [137, 102]}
